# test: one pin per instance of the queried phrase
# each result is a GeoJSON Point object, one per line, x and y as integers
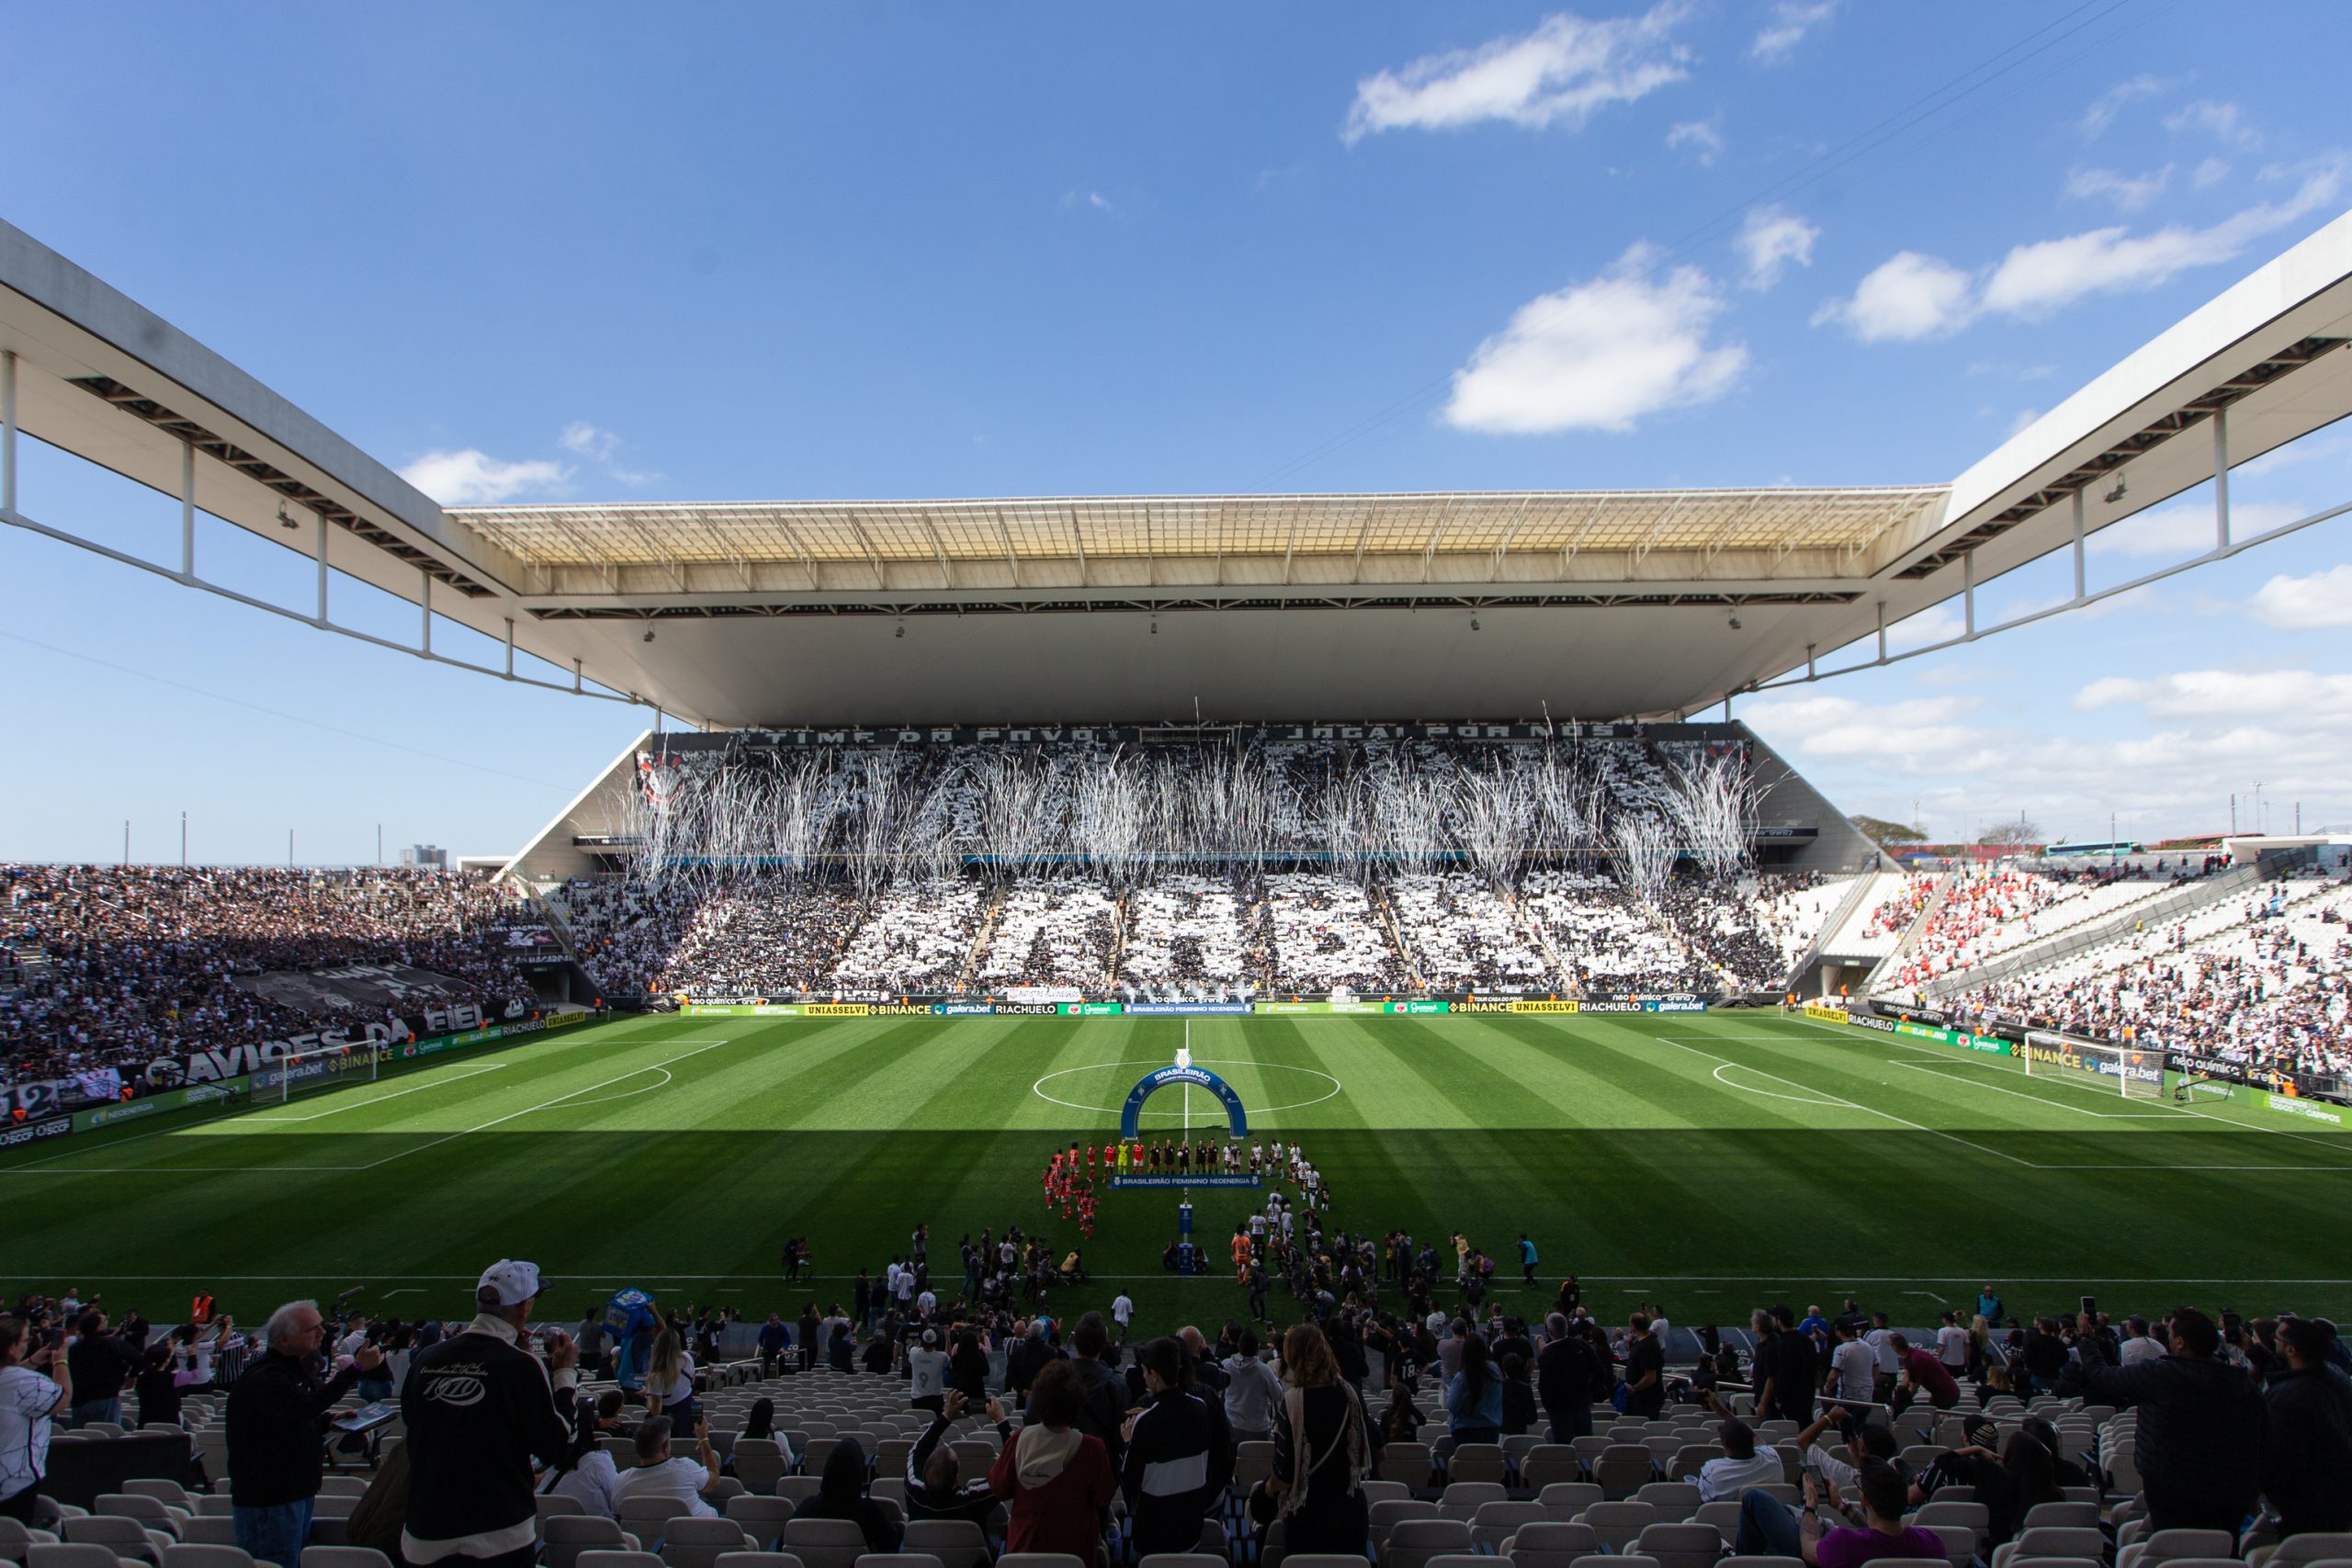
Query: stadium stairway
{"type": "Point", "coordinates": [1882, 973]}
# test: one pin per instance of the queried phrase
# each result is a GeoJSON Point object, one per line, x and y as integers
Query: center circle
{"type": "Point", "coordinates": [1038, 1087]}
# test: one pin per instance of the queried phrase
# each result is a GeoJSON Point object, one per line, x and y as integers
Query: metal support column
{"type": "Point", "coordinates": [187, 512]}
{"type": "Point", "coordinates": [2221, 478]}
{"type": "Point", "coordinates": [510, 647]}
{"type": "Point", "coordinates": [7, 430]}
{"type": "Point", "coordinates": [575, 675]}
{"type": "Point", "coordinates": [2078, 544]}
{"type": "Point", "coordinates": [1809, 673]}
{"type": "Point", "coordinates": [323, 571]}
{"type": "Point", "coordinates": [426, 599]}
{"type": "Point", "coordinates": [1968, 589]}
{"type": "Point", "coordinates": [1882, 631]}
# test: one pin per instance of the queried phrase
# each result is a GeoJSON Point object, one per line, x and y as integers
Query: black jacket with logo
{"type": "Point", "coordinates": [277, 1433]}
{"type": "Point", "coordinates": [477, 1408]}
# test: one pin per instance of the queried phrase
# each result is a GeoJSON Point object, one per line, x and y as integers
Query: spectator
{"type": "Point", "coordinates": [1723, 1480]}
{"type": "Point", "coordinates": [775, 1339]}
{"type": "Point", "coordinates": [1057, 1479]}
{"type": "Point", "coordinates": [2307, 1464]}
{"type": "Point", "coordinates": [1767, 1528]}
{"type": "Point", "coordinates": [1518, 1397]}
{"type": "Point", "coordinates": [840, 1495]}
{"type": "Point", "coordinates": [1785, 1368]}
{"type": "Point", "coordinates": [586, 1473]}
{"type": "Point", "coordinates": [1852, 1368]}
{"type": "Point", "coordinates": [1569, 1378]}
{"type": "Point", "coordinates": [1252, 1392]}
{"type": "Point", "coordinates": [1923, 1373]}
{"type": "Point", "coordinates": [478, 1406]}
{"type": "Point", "coordinates": [661, 1473]}
{"type": "Point", "coordinates": [158, 1388]}
{"type": "Point", "coordinates": [30, 1402]}
{"type": "Point", "coordinates": [935, 1488]}
{"type": "Point", "coordinates": [1474, 1396]}
{"type": "Point", "coordinates": [1171, 1477]}
{"type": "Point", "coordinates": [1104, 1410]}
{"type": "Point", "coordinates": [927, 1373]}
{"type": "Point", "coordinates": [1645, 1368]}
{"type": "Point", "coordinates": [277, 1415]}
{"type": "Point", "coordinates": [1322, 1450]}
{"type": "Point", "coordinates": [2200, 1428]}
{"type": "Point", "coordinates": [2139, 1345]}
{"type": "Point", "coordinates": [670, 1380]}
{"type": "Point", "coordinates": [101, 1364]}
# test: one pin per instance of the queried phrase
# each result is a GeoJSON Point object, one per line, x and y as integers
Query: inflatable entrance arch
{"type": "Point", "coordinates": [1199, 1078]}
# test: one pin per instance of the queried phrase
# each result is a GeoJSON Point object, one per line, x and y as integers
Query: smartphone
{"type": "Point", "coordinates": [2090, 1306]}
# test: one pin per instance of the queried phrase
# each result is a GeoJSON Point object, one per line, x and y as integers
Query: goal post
{"type": "Point", "coordinates": [301, 1073]}
{"type": "Point", "coordinates": [2134, 1071]}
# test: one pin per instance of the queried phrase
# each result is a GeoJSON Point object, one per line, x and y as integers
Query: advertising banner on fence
{"type": "Point", "coordinates": [1054, 994]}
{"type": "Point", "coordinates": [1526, 1004]}
{"type": "Point", "coordinates": [2295, 1107]}
{"type": "Point", "coordinates": [837, 1010]}
{"type": "Point", "coordinates": [1675, 1004]}
{"type": "Point", "coordinates": [1138, 1009]}
{"type": "Point", "coordinates": [35, 1131]}
{"type": "Point", "coordinates": [1091, 1010]}
{"type": "Point", "coordinates": [1826, 1014]}
{"type": "Point", "coordinates": [1417, 1006]}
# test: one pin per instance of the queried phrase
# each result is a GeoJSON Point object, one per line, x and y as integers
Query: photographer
{"type": "Point", "coordinates": [35, 1389]}
{"type": "Point", "coordinates": [936, 1486]}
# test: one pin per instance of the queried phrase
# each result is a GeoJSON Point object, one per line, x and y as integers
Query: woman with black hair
{"type": "Point", "coordinates": [586, 1473]}
{"type": "Point", "coordinates": [840, 1495]}
{"type": "Point", "coordinates": [1474, 1399]}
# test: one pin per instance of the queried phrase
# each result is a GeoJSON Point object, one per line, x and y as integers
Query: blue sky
{"type": "Point", "coordinates": [756, 252]}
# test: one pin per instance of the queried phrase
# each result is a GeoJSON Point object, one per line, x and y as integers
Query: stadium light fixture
{"type": "Point", "coordinates": [901, 631]}
{"type": "Point", "coordinates": [648, 634]}
{"type": "Point", "coordinates": [1473, 623]}
{"type": "Point", "coordinates": [284, 519]}
{"type": "Point", "coordinates": [1735, 623]}
{"type": "Point", "coordinates": [2118, 493]}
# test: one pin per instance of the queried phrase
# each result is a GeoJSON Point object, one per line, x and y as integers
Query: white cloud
{"type": "Point", "coordinates": [1600, 355]}
{"type": "Point", "coordinates": [1770, 240]}
{"type": "Point", "coordinates": [2226, 693]}
{"type": "Point", "coordinates": [2301, 603]}
{"type": "Point", "coordinates": [2186, 528]}
{"type": "Point", "coordinates": [473, 478]}
{"type": "Point", "coordinates": [1563, 73]}
{"type": "Point", "coordinates": [2022, 419]}
{"type": "Point", "coordinates": [1791, 20]}
{"type": "Point", "coordinates": [1829, 726]}
{"type": "Point", "coordinates": [1907, 296]}
{"type": "Point", "coordinates": [2128, 192]}
{"type": "Point", "coordinates": [1094, 200]}
{"type": "Point", "coordinates": [1702, 135]}
{"type": "Point", "coordinates": [587, 440]}
{"type": "Point", "coordinates": [2222, 121]}
{"type": "Point", "coordinates": [1913, 296]}
{"type": "Point", "coordinates": [2107, 104]}
{"type": "Point", "coordinates": [2211, 172]}
{"type": "Point", "coordinates": [1938, 623]}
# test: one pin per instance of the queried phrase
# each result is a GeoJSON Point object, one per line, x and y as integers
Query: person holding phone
{"type": "Point", "coordinates": [35, 1389]}
{"type": "Point", "coordinates": [662, 1474]}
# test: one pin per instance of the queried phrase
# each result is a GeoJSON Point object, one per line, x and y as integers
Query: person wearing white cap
{"type": "Point", "coordinates": [478, 1406]}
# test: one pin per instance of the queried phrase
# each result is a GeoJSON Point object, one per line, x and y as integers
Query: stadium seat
{"type": "Point", "coordinates": [958, 1544]}
{"type": "Point", "coordinates": [1960, 1543]}
{"type": "Point", "coordinates": [1412, 1543]}
{"type": "Point", "coordinates": [163, 1491]}
{"type": "Point", "coordinates": [824, 1543]}
{"type": "Point", "coordinates": [1564, 1500]}
{"type": "Point", "coordinates": [762, 1517]}
{"type": "Point", "coordinates": [1548, 1464]}
{"type": "Point", "coordinates": [2079, 1515]}
{"type": "Point", "coordinates": [689, 1542]}
{"type": "Point", "coordinates": [1550, 1543]}
{"type": "Point", "coordinates": [124, 1538]}
{"type": "Point", "coordinates": [152, 1512]}
{"type": "Point", "coordinates": [188, 1554]}
{"type": "Point", "coordinates": [897, 1560]}
{"type": "Point", "coordinates": [1615, 1561]}
{"type": "Point", "coordinates": [1624, 1469]}
{"type": "Point", "coordinates": [2054, 1540]}
{"type": "Point", "coordinates": [204, 1529]}
{"type": "Point", "coordinates": [344, 1557]}
{"type": "Point", "coordinates": [1497, 1522]}
{"type": "Point", "coordinates": [757, 1560]}
{"type": "Point", "coordinates": [1322, 1560]}
{"type": "Point", "coordinates": [1462, 1499]}
{"type": "Point", "coordinates": [1038, 1559]}
{"type": "Point", "coordinates": [1476, 1462]}
{"type": "Point", "coordinates": [1617, 1524]}
{"type": "Point", "coordinates": [1687, 1460]}
{"type": "Point", "coordinates": [644, 1517]}
{"type": "Point", "coordinates": [1172, 1560]}
{"type": "Point", "coordinates": [2296, 1551]}
{"type": "Point", "coordinates": [78, 1554]}
{"type": "Point", "coordinates": [569, 1536]}
{"type": "Point", "coordinates": [1681, 1545]}
{"type": "Point", "coordinates": [618, 1560]}
{"type": "Point", "coordinates": [1407, 1462]}
{"type": "Point", "coordinates": [547, 1505]}
{"type": "Point", "coordinates": [1252, 1462]}
{"type": "Point", "coordinates": [2170, 1546]}
{"type": "Point", "coordinates": [1672, 1499]}
{"type": "Point", "coordinates": [1761, 1561]}
{"type": "Point", "coordinates": [1453, 1560]}
{"type": "Point", "coordinates": [1721, 1516]}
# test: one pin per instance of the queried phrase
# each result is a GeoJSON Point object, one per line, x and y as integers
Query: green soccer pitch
{"type": "Point", "coordinates": [1711, 1162]}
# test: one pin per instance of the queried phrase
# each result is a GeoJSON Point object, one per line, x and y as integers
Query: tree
{"type": "Point", "coordinates": [2022, 831]}
{"type": "Point", "coordinates": [1882, 832]}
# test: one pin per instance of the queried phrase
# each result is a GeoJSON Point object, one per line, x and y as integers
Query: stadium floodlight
{"type": "Point", "coordinates": [284, 518]}
{"type": "Point", "coordinates": [2118, 492]}
{"type": "Point", "coordinates": [648, 634]}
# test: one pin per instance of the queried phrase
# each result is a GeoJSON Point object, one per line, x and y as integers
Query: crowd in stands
{"type": "Point", "coordinates": [1186, 935]}
{"type": "Point", "coordinates": [1605, 938]}
{"type": "Point", "coordinates": [1419, 1415]}
{"type": "Point", "coordinates": [1052, 934]}
{"type": "Point", "coordinates": [1986, 915]}
{"type": "Point", "coordinates": [113, 967]}
{"type": "Point", "coordinates": [1327, 936]}
{"type": "Point", "coordinates": [1463, 934]}
{"type": "Point", "coordinates": [1894, 914]}
{"type": "Point", "coordinates": [918, 937]}
{"type": "Point", "coordinates": [2264, 980]}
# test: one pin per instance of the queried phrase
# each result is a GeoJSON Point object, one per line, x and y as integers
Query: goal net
{"type": "Point", "coordinates": [313, 1072]}
{"type": "Point", "coordinates": [2129, 1070]}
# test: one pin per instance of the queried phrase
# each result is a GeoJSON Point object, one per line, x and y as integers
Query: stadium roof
{"type": "Point", "coordinates": [1587, 605]}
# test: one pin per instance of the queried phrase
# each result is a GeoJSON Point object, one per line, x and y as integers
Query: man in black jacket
{"type": "Point", "coordinates": [277, 1433]}
{"type": "Point", "coordinates": [478, 1406]}
{"type": "Point", "coordinates": [1567, 1380]}
{"type": "Point", "coordinates": [2307, 1464]}
{"type": "Point", "coordinates": [1175, 1467]}
{"type": "Point", "coordinates": [2201, 1431]}
{"type": "Point", "coordinates": [101, 1363]}
{"type": "Point", "coordinates": [1106, 1409]}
